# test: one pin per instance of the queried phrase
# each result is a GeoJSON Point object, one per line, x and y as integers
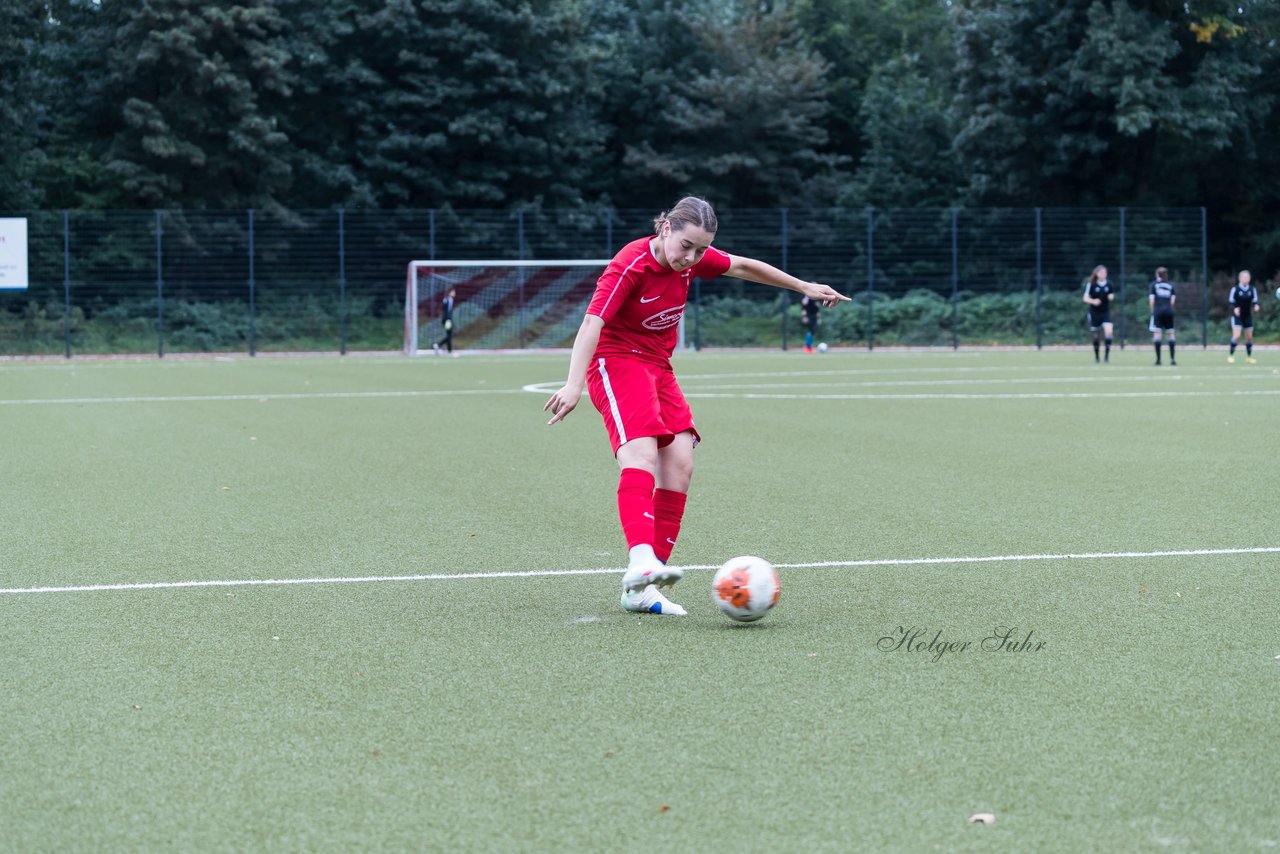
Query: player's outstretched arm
{"type": "Point", "coordinates": [584, 347]}
{"type": "Point", "coordinates": [767, 274]}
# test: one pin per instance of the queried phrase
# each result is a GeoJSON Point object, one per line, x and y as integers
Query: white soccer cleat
{"type": "Point", "coordinates": [651, 601]}
{"type": "Point", "coordinates": [653, 571]}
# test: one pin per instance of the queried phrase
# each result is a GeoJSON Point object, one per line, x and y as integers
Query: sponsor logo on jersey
{"type": "Point", "coordinates": [664, 319]}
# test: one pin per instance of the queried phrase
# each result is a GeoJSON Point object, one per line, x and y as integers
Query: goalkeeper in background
{"type": "Point", "coordinates": [446, 320]}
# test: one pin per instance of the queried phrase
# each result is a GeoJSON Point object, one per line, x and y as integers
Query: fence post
{"type": "Point", "coordinates": [955, 281]}
{"type": "Point", "coordinates": [520, 235]}
{"type": "Point", "coordinates": [159, 289]}
{"type": "Point", "coordinates": [1039, 285]}
{"type": "Point", "coordinates": [66, 282]}
{"type": "Point", "coordinates": [1122, 275]}
{"type": "Point", "coordinates": [1204, 277]}
{"type": "Point", "coordinates": [786, 294]}
{"type": "Point", "coordinates": [342, 282]}
{"type": "Point", "coordinates": [252, 291]}
{"type": "Point", "coordinates": [870, 275]}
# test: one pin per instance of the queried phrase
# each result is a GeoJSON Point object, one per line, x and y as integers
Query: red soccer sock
{"type": "Point", "coordinates": [668, 508]}
{"type": "Point", "coordinates": [635, 507]}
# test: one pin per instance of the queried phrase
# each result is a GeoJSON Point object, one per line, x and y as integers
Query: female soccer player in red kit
{"type": "Point", "coordinates": [622, 355]}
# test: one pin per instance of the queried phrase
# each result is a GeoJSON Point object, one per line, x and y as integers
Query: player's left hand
{"type": "Point", "coordinates": [562, 403]}
{"type": "Point", "coordinates": [824, 294]}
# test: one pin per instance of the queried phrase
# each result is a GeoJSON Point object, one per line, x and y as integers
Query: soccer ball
{"type": "Point", "coordinates": [822, 348]}
{"type": "Point", "coordinates": [745, 588]}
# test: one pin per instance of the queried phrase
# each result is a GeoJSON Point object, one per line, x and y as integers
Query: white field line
{"type": "Point", "coordinates": [264, 397]}
{"type": "Point", "coordinates": [1142, 378]}
{"type": "Point", "coordinates": [551, 387]}
{"type": "Point", "coordinates": [960, 396]}
{"type": "Point", "coordinates": [613, 570]}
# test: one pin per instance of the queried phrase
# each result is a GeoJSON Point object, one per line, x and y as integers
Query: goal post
{"type": "Point", "coordinates": [499, 305]}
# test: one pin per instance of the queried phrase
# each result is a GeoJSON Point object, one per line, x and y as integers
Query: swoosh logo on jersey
{"type": "Point", "coordinates": [664, 319]}
{"type": "Point", "coordinates": [650, 299]}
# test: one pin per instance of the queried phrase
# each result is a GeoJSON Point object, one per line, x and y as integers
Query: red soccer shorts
{"type": "Point", "coordinates": [637, 398]}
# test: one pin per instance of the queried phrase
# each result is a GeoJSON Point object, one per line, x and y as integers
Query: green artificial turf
{"type": "Point", "coordinates": [519, 708]}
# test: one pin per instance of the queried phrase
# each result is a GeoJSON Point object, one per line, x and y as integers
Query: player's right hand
{"type": "Point", "coordinates": [562, 403]}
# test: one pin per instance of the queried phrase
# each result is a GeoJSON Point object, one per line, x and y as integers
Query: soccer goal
{"type": "Point", "coordinates": [498, 305]}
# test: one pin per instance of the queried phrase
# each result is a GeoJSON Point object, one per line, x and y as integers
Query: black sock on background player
{"type": "Point", "coordinates": [1107, 357]}
{"type": "Point", "coordinates": [1173, 360]}
{"type": "Point", "coordinates": [1158, 347]}
{"type": "Point", "coordinates": [1096, 349]}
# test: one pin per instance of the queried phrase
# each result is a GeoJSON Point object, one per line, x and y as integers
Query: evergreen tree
{"type": "Point", "coordinates": [1074, 101]}
{"type": "Point", "coordinates": [736, 117]}
{"type": "Point", "coordinates": [24, 101]}
{"type": "Point", "coordinates": [907, 128]}
{"type": "Point", "coordinates": [463, 102]}
{"type": "Point", "coordinates": [182, 96]}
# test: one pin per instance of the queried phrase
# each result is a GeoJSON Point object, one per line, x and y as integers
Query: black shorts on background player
{"type": "Point", "coordinates": [1162, 320]}
{"type": "Point", "coordinates": [1099, 317]}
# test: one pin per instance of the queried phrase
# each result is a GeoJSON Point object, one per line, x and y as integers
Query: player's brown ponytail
{"type": "Point", "coordinates": [690, 210]}
{"type": "Point", "coordinates": [1162, 274]}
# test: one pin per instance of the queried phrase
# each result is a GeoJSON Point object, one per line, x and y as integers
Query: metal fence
{"type": "Point", "coordinates": [255, 281]}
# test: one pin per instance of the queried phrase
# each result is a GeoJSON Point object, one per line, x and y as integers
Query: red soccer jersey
{"type": "Point", "coordinates": [641, 301]}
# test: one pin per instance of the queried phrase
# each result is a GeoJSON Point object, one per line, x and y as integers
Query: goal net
{"type": "Point", "coordinates": [498, 305]}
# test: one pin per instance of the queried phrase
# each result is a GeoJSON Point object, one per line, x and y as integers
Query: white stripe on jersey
{"type": "Point", "coordinates": [613, 403]}
{"type": "Point", "coordinates": [618, 283]}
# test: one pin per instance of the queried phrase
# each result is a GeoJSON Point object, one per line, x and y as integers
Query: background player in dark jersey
{"type": "Point", "coordinates": [809, 309]}
{"type": "Point", "coordinates": [1098, 295]}
{"type": "Point", "coordinates": [446, 320]}
{"type": "Point", "coordinates": [1243, 300]}
{"type": "Point", "coordinates": [1161, 299]}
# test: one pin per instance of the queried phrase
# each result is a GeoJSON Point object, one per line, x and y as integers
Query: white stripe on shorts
{"type": "Point", "coordinates": [613, 403]}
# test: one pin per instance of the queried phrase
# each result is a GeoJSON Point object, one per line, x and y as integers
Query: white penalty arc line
{"type": "Point", "coordinates": [613, 570]}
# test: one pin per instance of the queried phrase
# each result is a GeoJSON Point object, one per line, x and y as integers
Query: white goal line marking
{"type": "Point", "coordinates": [613, 570]}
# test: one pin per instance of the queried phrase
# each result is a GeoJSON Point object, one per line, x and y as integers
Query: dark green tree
{"type": "Point", "coordinates": [25, 94]}
{"type": "Point", "coordinates": [181, 103]}
{"type": "Point", "coordinates": [1079, 101]}
{"type": "Point", "coordinates": [736, 117]}
{"type": "Point", "coordinates": [907, 130]}
{"type": "Point", "coordinates": [857, 38]}
{"type": "Point", "coordinates": [460, 102]}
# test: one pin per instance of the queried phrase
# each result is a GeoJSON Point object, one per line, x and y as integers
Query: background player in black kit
{"type": "Point", "coordinates": [446, 321]}
{"type": "Point", "coordinates": [1098, 296]}
{"type": "Point", "coordinates": [1160, 297]}
{"type": "Point", "coordinates": [1243, 300]}
{"type": "Point", "coordinates": [809, 315]}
